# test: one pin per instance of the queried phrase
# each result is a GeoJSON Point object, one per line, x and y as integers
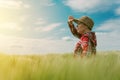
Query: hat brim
{"type": "Point", "coordinates": [77, 21]}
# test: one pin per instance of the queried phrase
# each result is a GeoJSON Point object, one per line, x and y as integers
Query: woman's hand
{"type": "Point", "coordinates": [70, 18]}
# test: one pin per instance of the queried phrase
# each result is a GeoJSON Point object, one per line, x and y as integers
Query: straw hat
{"type": "Point", "coordinates": [85, 20]}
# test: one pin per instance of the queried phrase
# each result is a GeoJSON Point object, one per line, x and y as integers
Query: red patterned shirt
{"type": "Point", "coordinates": [84, 41]}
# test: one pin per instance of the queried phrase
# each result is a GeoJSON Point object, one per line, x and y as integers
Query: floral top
{"type": "Point", "coordinates": [87, 43]}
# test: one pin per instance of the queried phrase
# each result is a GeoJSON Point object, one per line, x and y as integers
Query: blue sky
{"type": "Point", "coordinates": [40, 26]}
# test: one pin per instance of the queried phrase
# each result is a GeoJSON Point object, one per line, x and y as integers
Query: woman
{"type": "Point", "coordinates": [86, 46]}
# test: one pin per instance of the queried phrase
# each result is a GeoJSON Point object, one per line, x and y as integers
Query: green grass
{"type": "Point", "coordinates": [105, 66]}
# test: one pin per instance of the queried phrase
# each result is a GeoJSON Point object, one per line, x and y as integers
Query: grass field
{"type": "Point", "coordinates": [105, 66]}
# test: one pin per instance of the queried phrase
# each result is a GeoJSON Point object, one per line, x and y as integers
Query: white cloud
{"type": "Point", "coordinates": [109, 38]}
{"type": "Point", "coordinates": [67, 38]}
{"type": "Point", "coordinates": [40, 21]}
{"type": "Point", "coordinates": [117, 11]}
{"type": "Point", "coordinates": [26, 6]}
{"type": "Point", "coordinates": [51, 26]}
{"type": "Point", "coordinates": [44, 26]}
{"type": "Point", "coordinates": [10, 26]}
{"type": "Point", "coordinates": [110, 25]}
{"type": "Point", "coordinates": [12, 4]}
{"type": "Point", "coordinates": [89, 6]}
{"type": "Point", "coordinates": [48, 27]}
{"type": "Point", "coordinates": [18, 45]}
{"type": "Point", "coordinates": [24, 18]}
{"type": "Point", "coordinates": [62, 29]}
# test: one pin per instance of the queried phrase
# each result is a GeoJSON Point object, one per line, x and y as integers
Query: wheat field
{"type": "Point", "coordinates": [104, 66]}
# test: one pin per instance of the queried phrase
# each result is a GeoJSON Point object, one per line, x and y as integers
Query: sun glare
{"type": "Point", "coordinates": [9, 19]}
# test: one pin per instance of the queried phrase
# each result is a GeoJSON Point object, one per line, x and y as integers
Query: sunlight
{"type": "Point", "coordinates": [9, 19]}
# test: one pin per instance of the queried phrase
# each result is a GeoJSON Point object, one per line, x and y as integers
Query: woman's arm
{"type": "Point", "coordinates": [73, 29]}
